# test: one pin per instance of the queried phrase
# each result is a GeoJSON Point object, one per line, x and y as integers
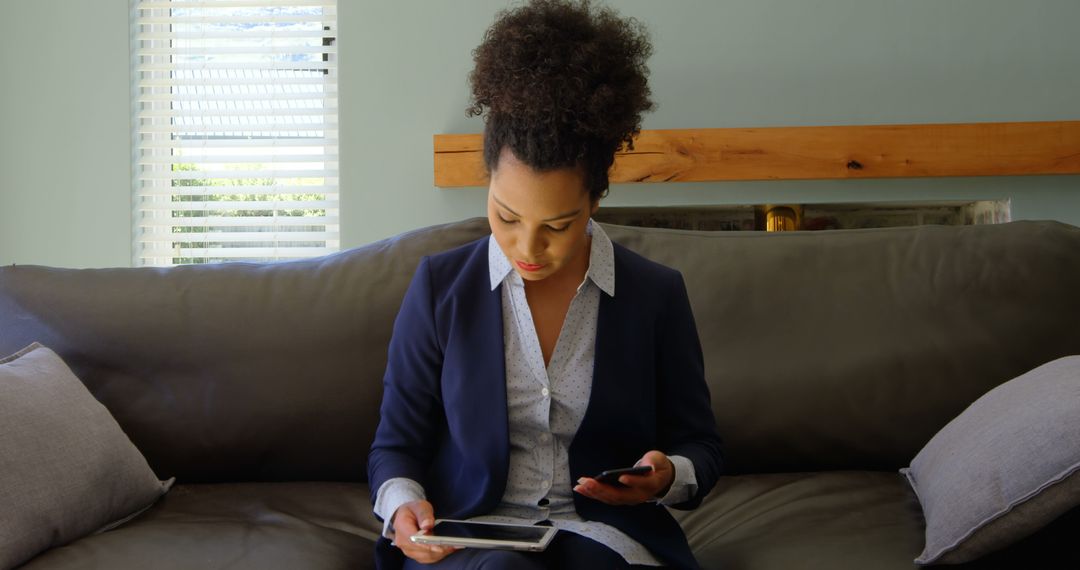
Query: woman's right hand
{"type": "Point", "coordinates": [411, 518]}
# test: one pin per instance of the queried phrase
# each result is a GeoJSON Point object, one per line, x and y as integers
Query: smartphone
{"type": "Point", "coordinates": [611, 476]}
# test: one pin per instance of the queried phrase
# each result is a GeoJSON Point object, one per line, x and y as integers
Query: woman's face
{"type": "Point", "coordinates": [539, 218]}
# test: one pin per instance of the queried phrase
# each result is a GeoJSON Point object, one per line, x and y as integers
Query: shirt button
{"type": "Point", "coordinates": [545, 392]}
{"type": "Point", "coordinates": [544, 437]}
{"type": "Point", "coordinates": [545, 483]}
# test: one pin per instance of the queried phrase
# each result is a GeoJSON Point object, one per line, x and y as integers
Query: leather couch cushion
{"type": "Point", "coordinates": [844, 519]}
{"type": "Point", "coordinates": [236, 371]}
{"type": "Point", "coordinates": [792, 520]}
{"type": "Point", "coordinates": [839, 520]}
{"type": "Point", "coordinates": [850, 349]}
{"type": "Point", "coordinates": [235, 526]}
{"type": "Point", "coordinates": [823, 350]}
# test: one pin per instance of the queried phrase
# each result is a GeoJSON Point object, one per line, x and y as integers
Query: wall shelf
{"type": "Point", "coordinates": [809, 153]}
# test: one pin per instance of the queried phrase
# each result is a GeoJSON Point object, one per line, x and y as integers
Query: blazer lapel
{"type": "Point", "coordinates": [493, 437]}
{"type": "Point", "coordinates": [596, 430]}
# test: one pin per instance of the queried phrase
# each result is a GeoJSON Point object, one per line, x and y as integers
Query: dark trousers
{"type": "Point", "coordinates": [567, 551]}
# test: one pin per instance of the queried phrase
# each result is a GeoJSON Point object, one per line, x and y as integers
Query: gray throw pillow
{"type": "Point", "coordinates": [66, 468]}
{"type": "Point", "coordinates": [1003, 468]}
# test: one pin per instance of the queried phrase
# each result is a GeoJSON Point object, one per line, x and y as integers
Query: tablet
{"type": "Point", "coordinates": [471, 534]}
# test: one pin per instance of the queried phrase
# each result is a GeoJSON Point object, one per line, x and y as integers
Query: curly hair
{"type": "Point", "coordinates": [564, 84]}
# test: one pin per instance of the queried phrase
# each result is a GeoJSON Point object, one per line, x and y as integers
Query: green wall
{"type": "Point", "coordinates": [65, 149]}
{"type": "Point", "coordinates": [65, 163]}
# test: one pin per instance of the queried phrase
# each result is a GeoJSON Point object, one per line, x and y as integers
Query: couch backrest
{"type": "Point", "coordinates": [850, 349]}
{"type": "Point", "coordinates": [824, 350]}
{"type": "Point", "coordinates": [236, 371]}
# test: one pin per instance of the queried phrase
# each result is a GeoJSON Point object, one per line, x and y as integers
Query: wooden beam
{"type": "Point", "coordinates": [806, 153]}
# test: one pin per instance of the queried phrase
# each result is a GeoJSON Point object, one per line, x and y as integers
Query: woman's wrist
{"type": "Point", "coordinates": [670, 476]}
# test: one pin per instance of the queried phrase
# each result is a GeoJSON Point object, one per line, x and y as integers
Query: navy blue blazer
{"type": "Point", "coordinates": [444, 418]}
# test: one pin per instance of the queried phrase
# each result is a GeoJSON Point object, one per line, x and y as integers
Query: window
{"type": "Point", "coordinates": [235, 130]}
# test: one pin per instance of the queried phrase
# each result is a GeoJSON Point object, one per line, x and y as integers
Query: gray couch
{"type": "Point", "coordinates": [832, 358]}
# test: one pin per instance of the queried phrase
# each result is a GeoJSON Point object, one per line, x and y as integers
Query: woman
{"type": "Point", "coordinates": [515, 371]}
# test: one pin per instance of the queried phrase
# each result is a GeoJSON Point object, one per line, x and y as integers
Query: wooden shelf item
{"type": "Point", "coordinates": [807, 153]}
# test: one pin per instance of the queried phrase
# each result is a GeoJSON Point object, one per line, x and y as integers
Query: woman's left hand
{"type": "Point", "coordinates": [638, 489]}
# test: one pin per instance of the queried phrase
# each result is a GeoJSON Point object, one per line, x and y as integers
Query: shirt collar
{"type": "Point", "coordinates": [601, 261]}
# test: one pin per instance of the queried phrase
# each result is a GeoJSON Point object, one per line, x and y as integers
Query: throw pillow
{"type": "Point", "coordinates": [66, 468]}
{"type": "Point", "coordinates": [1003, 468]}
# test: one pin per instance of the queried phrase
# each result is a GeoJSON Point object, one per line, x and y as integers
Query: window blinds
{"type": "Point", "coordinates": [235, 130]}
